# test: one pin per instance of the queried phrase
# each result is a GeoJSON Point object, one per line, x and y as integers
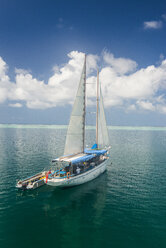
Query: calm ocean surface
{"type": "Point", "coordinates": [124, 207]}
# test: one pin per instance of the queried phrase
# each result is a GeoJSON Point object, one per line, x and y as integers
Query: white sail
{"type": "Point", "coordinates": [103, 138]}
{"type": "Point", "coordinates": [76, 128]}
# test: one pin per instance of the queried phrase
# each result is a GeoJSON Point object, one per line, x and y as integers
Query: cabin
{"type": "Point", "coordinates": [72, 165]}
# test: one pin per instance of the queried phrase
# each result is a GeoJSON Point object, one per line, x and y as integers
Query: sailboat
{"type": "Point", "coordinates": [79, 165]}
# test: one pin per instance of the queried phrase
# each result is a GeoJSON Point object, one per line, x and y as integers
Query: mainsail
{"type": "Point", "coordinates": [103, 138]}
{"type": "Point", "coordinates": [76, 129]}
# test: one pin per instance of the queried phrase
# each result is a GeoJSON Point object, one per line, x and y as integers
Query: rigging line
{"type": "Point", "coordinates": [84, 99]}
{"type": "Point", "coordinates": [97, 107]}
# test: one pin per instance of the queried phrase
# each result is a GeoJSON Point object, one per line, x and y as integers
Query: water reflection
{"type": "Point", "coordinates": [76, 207]}
{"type": "Point", "coordinates": [59, 198]}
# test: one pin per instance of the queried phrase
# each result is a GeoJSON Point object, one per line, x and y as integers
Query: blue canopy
{"type": "Point", "coordinates": [62, 172]}
{"type": "Point", "coordinates": [97, 152]}
{"type": "Point", "coordinates": [82, 159]}
{"type": "Point", "coordinates": [94, 146]}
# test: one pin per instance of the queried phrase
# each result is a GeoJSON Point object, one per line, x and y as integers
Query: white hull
{"type": "Point", "coordinates": [80, 179]}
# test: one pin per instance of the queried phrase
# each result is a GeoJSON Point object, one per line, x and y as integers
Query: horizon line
{"type": "Point", "coordinates": [127, 127]}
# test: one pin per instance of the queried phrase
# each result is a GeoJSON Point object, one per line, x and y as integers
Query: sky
{"type": "Point", "coordinates": [42, 47]}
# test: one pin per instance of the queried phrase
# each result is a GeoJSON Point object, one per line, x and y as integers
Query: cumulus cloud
{"type": "Point", "coordinates": [21, 71]}
{"type": "Point", "coordinates": [153, 25]}
{"type": "Point", "coordinates": [119, 65]}
{"type": "Point", "coordinates": [146, 105]}
{"type": "Point", "coordinates": [123, 85]}
{"type": "Point", "coordinates": [15, 105]}
{"type": "Point", "coordinates": [4, 81]}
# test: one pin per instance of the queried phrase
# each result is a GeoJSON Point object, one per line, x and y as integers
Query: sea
{"type": "Point", "coordinates": [123, 208]}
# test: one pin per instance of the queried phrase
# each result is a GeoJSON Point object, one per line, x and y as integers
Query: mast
{"type": "Point", "coordinates": [97, 107]}
{"type": "Point", "coordinates": [84, 110]}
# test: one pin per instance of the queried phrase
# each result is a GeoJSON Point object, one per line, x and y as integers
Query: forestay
{"type": "Point", "coordinates": [75, 134]}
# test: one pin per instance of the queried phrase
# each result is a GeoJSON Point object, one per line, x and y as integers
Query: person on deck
{"type": "Point", "coordinates": [78, 170]}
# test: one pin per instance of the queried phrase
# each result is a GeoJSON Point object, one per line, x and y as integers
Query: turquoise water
{"type": "Point", "coordinates": [124, 207]}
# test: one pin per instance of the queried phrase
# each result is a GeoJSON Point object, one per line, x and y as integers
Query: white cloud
{"type": "Point", "coordinates": [123, 85]}
{"type": "Point", "coordinates": [146, 105]}
{"type": "Point", "coordinates": [119, 65]}
{"type": "Point", "coordinates": [4, 81]}
{"type": "Point", "coordinates": [142, 84]}
{"type": "Point", "coordinates": [21, 71]}
{"type": "Point", "coordinates": [131, 107]}
{"type": "Point", "coordinates": [153, 25]}
{"type": "Point", "coordinates": [15, 105]}
{"type": "Point", "coordinates": [60, 89]}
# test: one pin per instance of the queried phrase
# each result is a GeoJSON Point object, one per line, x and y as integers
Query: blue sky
{"type": "Point", "coordinates": [36, 38]}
